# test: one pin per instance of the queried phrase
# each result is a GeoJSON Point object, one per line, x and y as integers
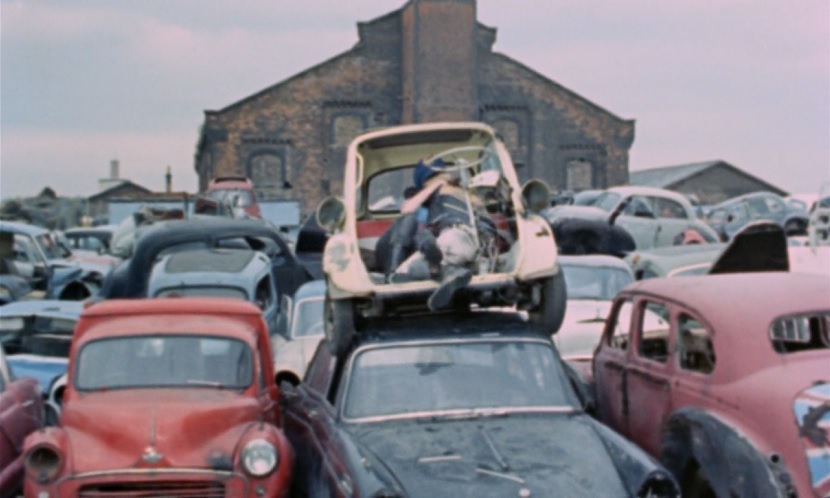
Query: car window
{"type": "Point", "coordinates": [653, 331]}
{"type": "Point", "coordinates": [320, 371]}
{"type": "Point", "coordinates": [308, 320]}
{"type": "Point", "coordinates": [386, 190]}
{"type": "Point", "coordinates": [697, 352]}
{"type": "Point", "coordinates": [737, 214]}
{"type": "Point", "coordinates": [39, 335]}
{"type": "Point", "coordinates": [792, 334]}
{"type": "Point", "coordinates": [621, 328]}
{"type": "Point", "coordinates": [264, 298]}
{"type": "Point", "coordinates": [594, 282]}
{"type": "Point", "coordinates": [164, 361]}
{"type": "Point", "coordinates": [639, 206]}
{"type": "Point", "coordinates": [607, 201]}
{"type": "Point", "coordinates": [668, 208]}
{"type": "Point", "coordinates": [459, 376]}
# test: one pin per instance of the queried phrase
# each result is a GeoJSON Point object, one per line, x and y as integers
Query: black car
{"type": "Point", "coordinates": [129, 279]}
{"type": "Point", "coordinates": [472, 404]}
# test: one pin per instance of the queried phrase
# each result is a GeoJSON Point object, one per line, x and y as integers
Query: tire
{"type": "Point", "coordinates": [339, 325]}
{"type": "Point", "coordinates": [551, 309]}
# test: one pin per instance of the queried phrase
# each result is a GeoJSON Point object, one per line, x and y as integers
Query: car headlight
{"type": "Point", "coordinates": [259, 458]}
{"type": "Point", "coordinates": [43, 463]}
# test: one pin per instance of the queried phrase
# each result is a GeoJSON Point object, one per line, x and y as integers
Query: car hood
{"type": "Point", "coordinates": [500, 456]}
{"type": "Point", "coordinates": [156, 428]}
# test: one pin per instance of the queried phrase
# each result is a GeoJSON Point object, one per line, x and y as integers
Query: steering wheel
{"type": "Point", "coordinates": [486, 154]}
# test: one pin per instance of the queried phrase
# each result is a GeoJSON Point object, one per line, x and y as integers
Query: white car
{"type": "Point", "coordinates": [593, 281]}
{"type": "Point", "coordinates": [654, 217]}
{"type": "Point", "coordinates": [379, 164]}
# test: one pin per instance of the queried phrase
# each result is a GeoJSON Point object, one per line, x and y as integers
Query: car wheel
{"type": "Point", "coordinates": [339, 324]}
{"type": "Point", "coordinates": [551, 309]}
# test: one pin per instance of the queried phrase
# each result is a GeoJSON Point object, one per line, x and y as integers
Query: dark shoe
{"type": "Point", "coordinates": [454, 280]}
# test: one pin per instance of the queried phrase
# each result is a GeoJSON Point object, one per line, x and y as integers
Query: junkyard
{"type": "Point", "coordinates": [455, 287]}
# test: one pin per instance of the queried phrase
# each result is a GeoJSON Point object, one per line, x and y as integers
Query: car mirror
{"type": "Point", "coordinates": [536, 196]}
{"type": "Point", "coordinates": [331, 214]}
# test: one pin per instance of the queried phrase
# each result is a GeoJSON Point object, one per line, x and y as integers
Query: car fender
{"type": "Point", "coordinates": [344, 268]}
{"type": "Point", "coordinates": [537, 244]}
{"type": "Point", "coordinates": [733, 465]}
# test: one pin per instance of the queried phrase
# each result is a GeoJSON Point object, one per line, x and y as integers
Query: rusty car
{"type": "Point", "coordinates": [165, 397]}
{"type": "Point", "coordinates": [725, 378]}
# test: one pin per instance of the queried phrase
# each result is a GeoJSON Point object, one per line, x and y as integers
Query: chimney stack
{"type": "Point", "coordinates": [114, 169]}
{"type": "Point", "coordinates": [168, 180]}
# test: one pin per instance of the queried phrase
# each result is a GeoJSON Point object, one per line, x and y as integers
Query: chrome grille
{"type": "Point", "coordinates": [154, 489]}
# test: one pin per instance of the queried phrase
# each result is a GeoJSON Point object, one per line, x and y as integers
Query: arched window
{"type": "Point", "coordinates": [579, 175]}
{"type": "Point", "coordinates": [268, 170]}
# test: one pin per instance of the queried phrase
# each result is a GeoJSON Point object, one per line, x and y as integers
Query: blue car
{"type": "Point", "coordinates": [36, 336]}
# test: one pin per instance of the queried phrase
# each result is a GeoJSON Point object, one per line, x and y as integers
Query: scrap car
{"type": "Point", "coordinates": [448, 405]}
{"type": "Point", "coordinates": [165, 397]}
{"type": "Point", "coordinates": [299, 330]}
{"type": "Point", "coordinates": [514, 261]}
{"type": "Point", "coordinates": [724, 378]}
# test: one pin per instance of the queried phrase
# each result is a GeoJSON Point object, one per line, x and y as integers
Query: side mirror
{"type": "Point", "coordinates": [331, 214]}
{"type": "Point", "coordinates": [536, 196]}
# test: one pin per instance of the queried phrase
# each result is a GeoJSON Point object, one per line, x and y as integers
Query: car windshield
{"type": "Point", "coordinates": [308, 318]}
{"type": "Point", "coordinates": [50, 246]}
{"type": "Point", "coordinates": [386, 189]}
{"type": "Point", "coordinates": [595, 282]}
{"type": "Point", "coordinates": [164, 361]}
{"type": "Point", "coordinates": [443, 379]}
{"type": "Point", "coordinates": [232, 196]}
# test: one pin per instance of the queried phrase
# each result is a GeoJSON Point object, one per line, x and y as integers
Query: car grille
{"type": "Point", "coordinates": [154, 489]}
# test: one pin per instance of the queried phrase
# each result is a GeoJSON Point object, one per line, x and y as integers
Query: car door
{"type": "Point", "coordinates": [647, 386]}
{"type": "Point", "coordinates": [310, 424]}
{"type": "Point", "coordinates": [609, 366]}
{"type": "Point", "coordinates": [639, 219]}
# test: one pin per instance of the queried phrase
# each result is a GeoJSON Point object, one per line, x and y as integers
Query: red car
{"type": "Point", "coordinates": [21, 413]}
{"type": "Point", "coordinates": [166, 397]}
{"type": "Point", "coordinates": [238, 191]}
{"type": "Point", "coordinates": [725, 379]}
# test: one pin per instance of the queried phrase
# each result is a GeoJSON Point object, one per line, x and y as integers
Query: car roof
{"type": "Point", "coordinates": [443, 326]}
{"type": "Point", "coordinates": [738, 302]}
{"type": "Point", "coordinates": [643, 190]}
{"type": "Point", "coordinates": [184, 315]}
{"type": "Point", "coordinates": [240, 267]}
{"type": "Point", "coordinates": [22, 228]}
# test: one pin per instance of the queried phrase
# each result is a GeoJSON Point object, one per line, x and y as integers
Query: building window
{"type": "Point", "coordinates": [579, 175]}
{"type": "Point", "coordinates": [268, 169]}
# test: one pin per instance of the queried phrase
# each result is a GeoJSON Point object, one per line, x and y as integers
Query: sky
{"type": "Point", "coordinates": [83, 82]}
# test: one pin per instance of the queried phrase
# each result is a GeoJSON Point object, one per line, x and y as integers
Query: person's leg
{"type": "Point", "coordinates": [397, 243]}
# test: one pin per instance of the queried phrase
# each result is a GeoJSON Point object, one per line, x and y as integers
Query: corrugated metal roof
{"type": "Point", "coordinates": [666, 176]}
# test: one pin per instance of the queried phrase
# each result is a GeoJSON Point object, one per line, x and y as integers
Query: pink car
{"type": "Point", "coordinates": [725, 379]}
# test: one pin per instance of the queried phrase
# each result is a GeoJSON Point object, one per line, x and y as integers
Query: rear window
{"type": "Point", "coordinates": [805, 332]}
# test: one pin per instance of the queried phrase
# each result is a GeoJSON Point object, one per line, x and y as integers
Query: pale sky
{"type": "Point", "coordinates": [86, 81]}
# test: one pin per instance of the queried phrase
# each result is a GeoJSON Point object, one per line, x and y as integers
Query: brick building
{"type": "Point", "coordinates": [430, 60]}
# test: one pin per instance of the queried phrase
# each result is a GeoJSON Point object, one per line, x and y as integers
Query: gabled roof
{"type": "Point", "coordinates": [669, 176]}
{"type": "Point", "coordinates": [126, 185]}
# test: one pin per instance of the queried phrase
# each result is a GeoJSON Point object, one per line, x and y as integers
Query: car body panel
{"type": "Point", "coordinates": [731, 215]}
{"type": "Point", "coordinates": [237, 191]}
{"type": "Point", "coordinates": [736, 371]}
{"type": "Point", "coordinates": [136, 434]}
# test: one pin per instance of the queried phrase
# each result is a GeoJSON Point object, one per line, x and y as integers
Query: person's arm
{"type": "Point", "coordinates": [413, 203]}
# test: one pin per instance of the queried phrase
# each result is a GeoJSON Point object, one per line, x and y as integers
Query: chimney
{"type": "Point", "coordinates": [168, 180]}
{"type": "Point", "coordinates": [114, 169]}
